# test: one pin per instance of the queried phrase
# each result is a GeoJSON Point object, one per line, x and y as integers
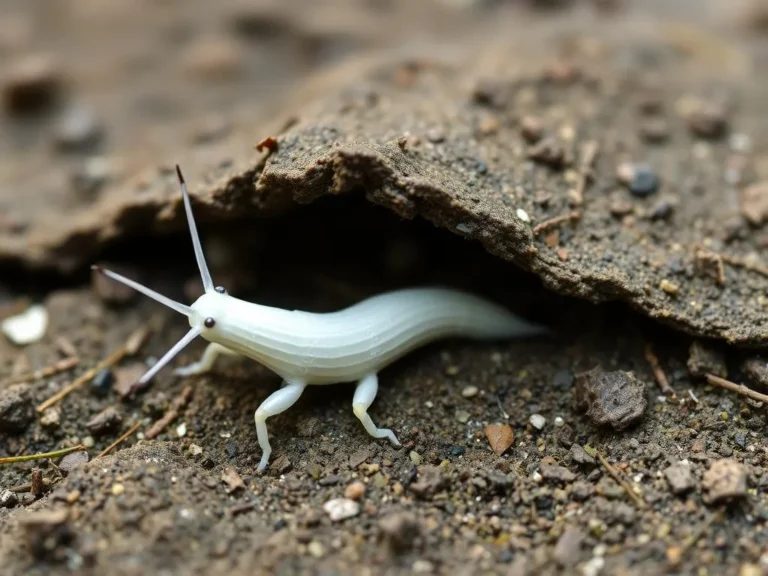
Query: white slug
{"type": "Point", "coordinates": [351, 345]}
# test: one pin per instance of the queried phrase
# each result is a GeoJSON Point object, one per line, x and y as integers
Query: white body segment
{"type": "Point", "coordinates": [351, 345]}
{"type": "Point", "coordinates": [347, 345]}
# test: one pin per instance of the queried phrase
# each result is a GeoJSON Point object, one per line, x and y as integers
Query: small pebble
{"type": "Point", "coordinates": [523, 215]}
{"type": "Point", "coordinates": [8, 499]}
{"type": "Point", "coordinates": [89, 442]}
{"type": "Point", "coordinates": [51, 417]}
{"type": "Point", "coordinates": [423, 567]}
{"type": "Point", "coordinates": [77, 129]}
{"type": "Point", "coordinates": [559, 422]}
{"type": "Point", "coordinates": [102, 382]}
{"type": "Point", "coordinates": [91, 176]}
{"type": "Point", "coordinates": [415, 457]}
{"type": "Point", "coordinates": [105, 421]}
{"type": "Point", "coordinates": [316, 549]}
{"type": "Point", "coordinates": [355, 491]}
{"type": "Point", "coordinates": [195, 450]}
{"type": "Point", "coordinates": [400, 530]}
{"type": "Point", "coordinates": [341, 508]}
{"type": "Point", "coordinates": [27, 327]}
{"type": "Point", "coordinates": [463, 416]}
{"type": "Point", "coordinates": [469, 391]}
{"type": "Point", "coordinates": [181, 430]}
{"type": "Point", "coordinates": [73, 461]}
{"type": "Point", "coordinates": [644, 182]}
{"type": "Point", "coordinates": [117, 489]}
{"type": "Point", "coordinates": [531, 129]}
{"type": "Point", "coordinates": [537, 421]}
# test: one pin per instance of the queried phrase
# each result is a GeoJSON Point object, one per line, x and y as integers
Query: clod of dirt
{"type": "Point", "coordinates": [580, 456]}
{"type": "Point", "coordinates": [724, 480]}
{"type": "Point", "coordinates": [756, 369]}
{"type": "Point", "coordinates": [429, 482]}
{"type": "Point", "coordinates": [108, 420]}
{"type": "Point", "coordinates": [615, 399]}
{"type": "Point", "coordinates": [16, 410]}
{"type": "Point", "coordinates": [679, 477]}
{"type": "Point", "coordinates": [568, 546]}
{"type": "Point", "coordinates": [558, 474]}
{"type": "Point", "coordinates": [705, 359]}
{"type": "Point", "coordinates": [46, 531]}
{"type": "Point", "coordinates": [400, 531]}
{"type": "Point", "coordinates": [51, 417]}
{"type": "Point", "coordinates": [73, 461]}
{"type": "Point", "coordinates": [32, 83]}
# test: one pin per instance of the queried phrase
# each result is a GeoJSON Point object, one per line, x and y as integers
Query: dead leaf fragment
{"type": "Point", "coordinates": [500, 437]}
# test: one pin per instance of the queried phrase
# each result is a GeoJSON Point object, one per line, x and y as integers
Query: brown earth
{"type": "Point", "coordinates": [590, 155]}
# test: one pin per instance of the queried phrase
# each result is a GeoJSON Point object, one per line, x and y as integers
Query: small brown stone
{"type": "Point", "coordinates": [710, 264]}
{"type": "Point", "coordinates": [531, 129]}
{"type": "Point", "coordinates": [707, 120]}
{"type": "Point", "coordinates": [704, 359]}
{"type": "Point", "coordinates": [754, 203]}
{"type": "Point", "coordinates": [430, 481]}
{"type": "Point", "coordinates": [679, 477]}
{"type": "Point", "coordinates": [355, 490]}
{"type": "Point", "coordinates": [108, 420]}
{"type": "Point", "coordinates": [580, 456]}
{"type": "Point", "coordinates": [725, 479]}
{"type": "Point", "coordinates": [553, 473]}
{"type": "Point", "coordinates": [548, 152]}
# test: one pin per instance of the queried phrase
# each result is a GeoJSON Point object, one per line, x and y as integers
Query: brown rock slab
{"type": "Point", "coordinates": [725, 479]}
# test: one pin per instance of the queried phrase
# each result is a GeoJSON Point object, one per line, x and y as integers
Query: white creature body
{"type": "Point", "coordinates": [304, 348]}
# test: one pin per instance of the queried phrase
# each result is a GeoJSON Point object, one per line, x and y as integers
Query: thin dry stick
{"type": "Point", "coordinates": [658, 372]}
{"type": "Point", "coordinates": [738, 388]}
{"type": "Point", "coordinates": [173, 411]}
{"type": "Point", "coordinates": [588, 156]}
{"type": "Point", "coordinates": [51, 370]}
{"type": "Point", "coordinates": [54, 454]}
{"type": "Point", "coordinates": [739, 263]}
{"type": "Point", "coordinates": [556, 221]}
{"type": "Point", "coordinates": [131, 347]}
{"type": "Point", "coordinates": [120, 440]}
{"type": "Point", "coordinates": [615, 475]}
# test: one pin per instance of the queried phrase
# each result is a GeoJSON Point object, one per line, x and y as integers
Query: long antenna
{"type": "Point", "coordinates": [160, 364]}
{"type": "Point", "coordinates": [178, 306]}
{"type": "Point", "coordinates": [204, 273]}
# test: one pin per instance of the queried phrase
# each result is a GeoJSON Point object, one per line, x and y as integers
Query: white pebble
{"type": "Point", "coordinates": [27, 327]}
{"type": "Point", "coordinates": [195, 450]}
{"type": "Point", "coordinates": [523, 215]}
{"type": "Point", "coordinates": [559, 422]}
{"type": "Point", "coordinates": [593, 567]}
{"type": "Point", "coordinates": [181, 430]}
{"type": "Point", "coordinates": [537, 421]}
{"type": "Point", "coordinates": [341, 508]}
{"type": "Point", "coordinates": [469, 391]}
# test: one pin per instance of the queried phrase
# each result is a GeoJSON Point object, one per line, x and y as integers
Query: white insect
{"type": "Point", "coordinates": [351, 345]}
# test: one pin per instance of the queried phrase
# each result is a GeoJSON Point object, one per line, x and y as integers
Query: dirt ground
{"type": "Point", "coordinates": [600, 167]}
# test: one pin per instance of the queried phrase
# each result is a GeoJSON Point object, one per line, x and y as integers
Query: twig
{"type": "Point", "coordinates": [556, 221]}
{"type": "Point", "coordinates": [658, 372]}
{"type": "Point", "coordinates": [131, 347]}
{"type": "Point", "coordinates": [119, 440]}
{"type": "Point", "coordinates": [615, 475]}
{"type": "Point", "coordinates": [739, 263]}
{"type": "Point", "coordinates": [738, 388]}
{"type": "Point", "coordinates": [588, 156]}
{"type": "Point", "coordinates": [51, 370]}
{"type": "Point", "coordinates": [240, 508]}
{"type": "Point", "coordinates": [173, 411]}
{"type": "Point", "coordinates": [54, 454]}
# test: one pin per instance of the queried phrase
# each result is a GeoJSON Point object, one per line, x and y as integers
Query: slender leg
{"type": "Point", "coordinates": [365, 394]}
{"type": "Point", "coordinates": [212, 351]}
{"type": "Point", "coordinates": [277, 402]}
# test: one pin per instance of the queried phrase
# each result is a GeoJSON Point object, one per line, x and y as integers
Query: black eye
{"type": "Point", "coordinates": [209, 322]}
{"type": "Point", "coordinates": [220, 289]}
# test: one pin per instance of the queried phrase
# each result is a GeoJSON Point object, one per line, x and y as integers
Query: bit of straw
{"type": "Point", "coordinates": [131, 347]}
{"type": "Point", "coordinates": [120, 440]}
{"type": "Point", "coordinates": [623, 483]}
{"type": "Point", "coordinates": [658, 372]}
{"type": "Point", "coordinates": [738, 388]}
{"type": "Point", "coordinates": [52, 370]}
{"type": "Point", "coordinates": [556, 221]}
{"type": "Point", "coordinates": [54, 454]}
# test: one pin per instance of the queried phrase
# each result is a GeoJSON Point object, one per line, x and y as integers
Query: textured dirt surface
{"type": "Point", "coordinates": [479, 120]}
